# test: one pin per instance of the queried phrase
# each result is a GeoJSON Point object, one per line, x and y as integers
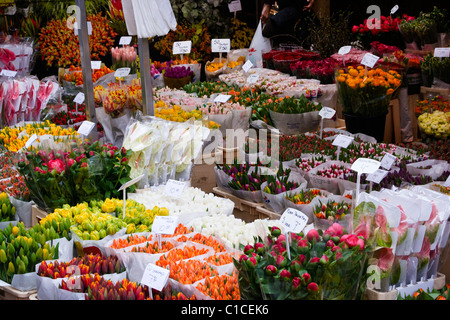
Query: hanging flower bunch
{"type": "Point", "coordinates": [59, 45]}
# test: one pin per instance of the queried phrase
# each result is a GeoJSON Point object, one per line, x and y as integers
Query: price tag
{"type": "Point", "coordinates": [235, 5]}
{"type": "Point", "coordinates": [95, 65]}
{"type": "Point", "coordinates": [247, 66]}
{"type": "Point", "coordinates": [131, 182]}
{"type": "Point", "coordinates": [220, 45]}
{"type": "Point", "coordinates": [122, 72]}
{"type": "Point", "coordinates": [369, 60]}
{"type": "Point", "coordinates": [442, 52]}
{"type": "Point", "coordinates": [174, 188]}
{"type": "Point", "coordinates": [164, 224]}
{"type": "Point", "coordinates": [182, 47]}
{"type": "Point", "coordinates": [344, 50]}
{"type": "Point", "coordinates": [155, 277]}
{"type": "Point", "coordinates": [31, 140]}
{"type": "Point", "coordinates": [365, 165]}
{"type": "Point", "coordinates": [86, 127]}
{"type": "Point", "coordinates": [388, 160]}
{"type": "Point", "coordinates": [342, 140]}
{"type": "Point", "coordinates": [8, 73]}
{"type": "Point", "coordinates": [222, 98]}
{"type": "Point", "coordinates": [447, 182]}
{"type": "Point", "coordinates": [76, 28]}
{"type": "Point", "coordinates": [377, 176]}
{"type": "Point", "coordinates": [79, 98]}
{"type": "Point", "coordinates": [327, 113]}
{"type": "Point", "coordinates": [253, 78]}
{"type": "Point", "coordinates": [125, 40]}
{"type": "Point", "coordinates": [394, 9]}
{"type": "Point", "coordinates": [293, 220]}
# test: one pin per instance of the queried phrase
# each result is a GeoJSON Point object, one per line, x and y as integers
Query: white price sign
{"type": "Point", "coordinates": [369, 60]}
{"type": "Point", "coordinates": [377, 176]}
{"type": "Point", "coordinates": [327, 113]}
{"type": "Point", "coordinates": [155, 277]}
{"type": "Point", "coordinates": [388, 161]}
{"type": "Point", "coordinates": [182, 47]}
{"type": "Point", "coordinates": [247, 66]}
{"type": "Point", "coordinates": [342, 141]}
{"type": "Point", "coordinates": [344, 50]}
{"type": "Point", "coordinates": [222, 98]}
{"type": "Point", "coordinates": [164, 224]}
{"type": "Point", "coordinates": [365, 165]}
{"type": "Point", "coordinates": [394, 9]}
{"type": "Point", "coordinates": [220, 45]}
{"type": "Point", "coordinates": [174, 188]}
{"type": "Point", "coordinates": [122, 72]}
{"type": "Point", "coordinates": [293, 220]}
{"type": "Point", "coordinates": [235, 6]}
{"type": "Point", "coordinates": [79, 98]}
{"type": "Point", "coordinates": [442, 52]}
{"type": "Point", "coordinates": [8, 73]}
{"type": "Point", "coordinates": [125, 40]}
{"type": "Point", "coordinates": [95, 65]}
{"type": "Point", "coordinates": [86, 127]}
{"type": "Point", "coordinates": [253, 78]}
{"type": "Point", "coordinates": [31, 140]}
{"type": "Point", "coordinates": [131, 182]}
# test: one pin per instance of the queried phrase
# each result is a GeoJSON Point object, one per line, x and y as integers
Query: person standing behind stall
{"type": "Point", "coordinates": [289, 12]}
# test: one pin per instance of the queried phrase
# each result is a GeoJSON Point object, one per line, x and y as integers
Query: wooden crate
{"type": "Point", "coordinates": [264, 213]}
{"type": "Point", "coordinates": [10, 293]}
{"type": "Point", "coordinates": [241, 204]}
{"type": "Point", "coordinates": [36, 215]}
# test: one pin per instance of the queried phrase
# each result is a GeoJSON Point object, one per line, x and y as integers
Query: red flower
{"type": "Point", "coordinates": [312, 235]}
{"type": "Point", "coordinates": [312, 287]}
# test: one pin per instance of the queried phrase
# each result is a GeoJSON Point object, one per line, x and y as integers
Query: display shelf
{"type": "Point", "coordinates": [241, 204]}
{"type": "Point", "coordinates": [36, 215]}
{"type": "Point", "coordinates": [10, 293]}
{"type": "Point", "coordinates": [264, 213]}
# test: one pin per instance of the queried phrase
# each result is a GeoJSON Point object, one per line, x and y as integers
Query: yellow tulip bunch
{"type": "Point", "coordinates": [366, 92]}
{"type": "Point", "coordinates": [13, 140]}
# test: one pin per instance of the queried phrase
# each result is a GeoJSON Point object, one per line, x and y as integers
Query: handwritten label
{"type": "Point", "coordinates": [131, 182]}
{"type": "Point", "coordinates": [174, 188]}
{"type": "Point", "coordinates": [8, 73]}
{"type": "Point", "coordinates": [235, 6]}
{"type": "Point", "coordinates": [388, 160]}
{"type": "Point", "coordinates": [293, 220]}
{"type": "Point", "coordinates": [79, 98]}
{"type": "Point", "coordinates": [253, 78]}
{"type": "Point", "coordinates": [125, 40]}
{"type": "Point", "coordinates": [164, 224]}
{"type": "Point", "coordinates": [365, 165]}
{"type": "Point", "coordinates": [377, 176]}
{"type": "Point", "coordinates": [182, 47]}
{"type": "Point", "coordinates": [247, 66]}
{"type": "Point", "coordinates": [342, 140]}
{"type": "Point", "coordinates": [344, 50]}
{"type": "Point", "coordinates": [220, 45]}
{"type": "Point", "coordinates": [122, 72]}
{"type": "Point", "coordinates": [394, 9]}
{"type": "Point", "coordinates": [95, 65]}
{"type": "Point", "coordinates": [222, 98]}
{"type": "Point", "coordinates": [86, 127]}
{"type": "Point", "coordinates": [369, 60]}
{"type": "Point", "coordinates": [31, 140]}
{"type": "Point", "coordinates": [155, 277]}
{"type": "Point", "coordinates": [327, 113]}
{"type": "Point", "coordinates": [442, 52]}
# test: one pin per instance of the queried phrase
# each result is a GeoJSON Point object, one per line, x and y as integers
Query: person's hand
{"type": "Point", "coordinates": [265, 13]}
{"type": "Point", "coordinates": [309, 6]}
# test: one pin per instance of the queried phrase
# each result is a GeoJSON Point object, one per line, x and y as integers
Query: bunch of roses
{"type": "Point", "coordinates": [318, 265]}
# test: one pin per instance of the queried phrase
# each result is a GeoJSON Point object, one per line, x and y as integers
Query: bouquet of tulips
{"type": "Point", "coordinates": [124, 57]}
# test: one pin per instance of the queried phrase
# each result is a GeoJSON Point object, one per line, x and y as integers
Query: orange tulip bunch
{"type": "Point", "coordinates": [366, 92]}
{"type": "Point", "coordinates": [223, 287]}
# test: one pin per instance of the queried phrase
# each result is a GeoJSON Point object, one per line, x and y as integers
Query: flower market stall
{"type": "Point", "coordinates": [158, 159]}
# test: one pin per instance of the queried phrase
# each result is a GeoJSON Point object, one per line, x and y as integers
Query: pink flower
{"type": "Point", "coordinates": [251, 262]}
{"type": "Point", "coordinates": [335, 230]}
{"type": "Point", "coordinates": [57, 165]}
{"type": "Point", "coordinates": [312, 287]}
{"type": "Point", "coordinates": [281, 261]}
{"type": "Point", "coordinates": [243, 258]}
{"type": "Point", "coordinates": [259, 247]}
{"type": "Point", "coordinates": [84, 165]}
{"type": "Point", "coordinates": [312, 235]}
{"type": "Point", "coordinates": [385, 258]}
{"type": "Point", "coordinates": [285, 274]}
{"type": "Point", "coordinates": [275, 231]}
{"type": "Point", "coordinates": [296, 282]}
{"type": "Point", "coordinates": [271, 270]}
{"type": "Point", "coordinates": [314, 260]}
{"type": "Point", "coordinates": [306, 277]}
{"type": "Point", "coordinates": [248, 248]}
{"type": "Point", "coordinates": [323, 259]}
{"type": "Point", "coordinates": [352, 240]}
